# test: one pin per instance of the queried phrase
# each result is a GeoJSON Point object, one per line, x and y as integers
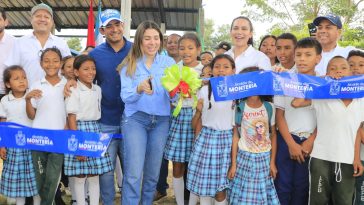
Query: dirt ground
{"type": "Point", "coordinates": [168, 200]}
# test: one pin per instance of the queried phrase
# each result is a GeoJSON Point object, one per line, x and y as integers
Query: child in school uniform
{"type": "Point", "coordinates": [45, 106]}
{"type": "Point", "coordinates": [67, 67]}
{"type": "Point", "coordinates": [210, 157]}
{"type": "Point", "coordinates": [180, 139]}
{"type": "Point", "coordinates": [253, 168]}
{"type": "Point", "coordinates": [296, 132]}
{"type": "Point", "coordinates": [335, 158]}
{"type": "Point", "coordinates": [83, 108]}
{"type": "Point", "coordinates": [18, 177]}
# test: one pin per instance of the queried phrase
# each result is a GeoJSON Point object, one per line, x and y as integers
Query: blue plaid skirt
{"type": "Point", "coordinates": [209, 162]}
{"type": "Point", "coordinates": [180, 139]}
{"type": "Point", "coordinates": [92, 165]}
{"type": "Point", "coordinates": [252, 183]}
{"type": "Point", "coordinates": [18, 177]}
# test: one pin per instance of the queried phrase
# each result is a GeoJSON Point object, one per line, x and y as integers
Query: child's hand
{"type": "Point", "coordinates": [273, 170]}
{"type": "Point", "coordinates": [199, 105]}
{"type": "Point", "coordinates": [3, 153]}
{"type": "Point", "coordinates": [81, 158]}
{"type": "Point", "coordinates": [358, 168]}
{"type": "Point", "coordinates": [36, 94]}
{"type": "Point", "coordinates": [279, 69]}
{"type": "Point", "coordinates": [232, 171]}
{"type": "Point", "coordinates": [145, 86]}
{"type": "Point", "coordinates": [67, 88]}
{"type": "Point", "coordinates": [295, 151]}
{"type": "Point", "coordinates": [307, 147]}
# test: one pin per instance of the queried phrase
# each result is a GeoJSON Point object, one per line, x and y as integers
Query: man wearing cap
{"type": "Point", "coordinates": [222, 48]}
{"type": "Point", "coordinates": [108, 56]}
{"type": "Point", "coordinates": [27, 49]}
{"type": "Point", "coordinates": [329, 30]}
{"type": "Point", "coordinates": [6, 45]}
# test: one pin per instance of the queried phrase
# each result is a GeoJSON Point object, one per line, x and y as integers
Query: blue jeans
{"type": "Point", "coordinates": [107, 187]}
{"type": "Point", "coordinates": [144, 139]}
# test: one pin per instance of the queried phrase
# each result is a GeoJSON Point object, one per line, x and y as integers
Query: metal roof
{"type": "Point", "coordinates": [176, 14]}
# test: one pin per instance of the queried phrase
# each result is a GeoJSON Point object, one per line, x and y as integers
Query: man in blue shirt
{"type": "Point", "coordinates": [108, 56]}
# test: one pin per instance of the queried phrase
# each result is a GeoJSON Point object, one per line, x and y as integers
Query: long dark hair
{"type": "Point", "coordinates": [218, 57]}
{"type": "Point", "coordinates": [250, 41]}
{"type": "Point", "coordinates": [7, 75]}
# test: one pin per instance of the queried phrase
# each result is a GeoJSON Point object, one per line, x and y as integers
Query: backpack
{"type": "Point", "coordinates": [240, 109]}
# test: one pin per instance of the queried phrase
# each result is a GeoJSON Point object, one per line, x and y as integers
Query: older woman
{"type": "Point", "coordinates": [145, 121]}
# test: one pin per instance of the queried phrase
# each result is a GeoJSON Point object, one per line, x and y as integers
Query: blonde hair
{"type": "Point", "coordinates": [136, 52]}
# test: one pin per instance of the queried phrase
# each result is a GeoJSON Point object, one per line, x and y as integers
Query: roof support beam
{"type": "Point", "coordinates": [162, 12]}
{"type": "Point", "coordinates": [144, 9]}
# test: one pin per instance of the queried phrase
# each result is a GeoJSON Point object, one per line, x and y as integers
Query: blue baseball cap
{"type": "Point", "coordinates": [334, 19]}
{"type": "Point", "coordinates": [109, 15]}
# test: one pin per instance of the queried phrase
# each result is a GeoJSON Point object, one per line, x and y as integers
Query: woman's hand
{"type": "Point", "coordinates": [145, 86]}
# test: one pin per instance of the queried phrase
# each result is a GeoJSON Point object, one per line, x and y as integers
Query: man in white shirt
{"type": "Point", "coordinates": [6, 45]}
{"type": "Point", "coordinates": [27, 49]}
{"type": "Point", "coordinates": [329, 30]}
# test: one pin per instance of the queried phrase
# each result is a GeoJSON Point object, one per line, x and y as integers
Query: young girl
{"type": "Point", "coordinates": [210, 157]}
{"type": "Point", "coordinates": [67, 67]}
{"type": "Point", "coordinates": [45, 106]}
{"type": "Point", "coordinates": [18, 178]}
{"type": "Point", "coordinates": [241, 32]}
{"type": "Point", "coordinates": [206, 57]}
{"type": "Point", "coordinates": [179, 143]}
{"type": "Point", "coordinates": [253, 153]}
{"type": "Point", "coordinates": [206, 74]}
{"type": "Point", "coordinates": [83, 108]}
{"type": "Point", "coordinates": [268, 47]}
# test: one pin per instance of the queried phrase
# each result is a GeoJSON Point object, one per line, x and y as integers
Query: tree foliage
{"type": "Point", "coordinates": [74, 43]}
{"type": "Point", "coordinates": [213, 37]}
{"type": "Point", "coordinates": [293, 16]}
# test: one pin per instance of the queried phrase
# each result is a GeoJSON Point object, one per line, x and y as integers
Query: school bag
{"type": "Point", "coordinates": [240, 109]}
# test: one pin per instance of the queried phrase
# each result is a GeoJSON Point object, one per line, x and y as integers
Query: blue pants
{"type": "Point", "coordinates": [107, 187]}
{"type": "Point", "coordinates": [162, 185]}
{"type": "Point", "coordinates": [292, 182]}
{"type": "Point", "coordinates": [144, 139]}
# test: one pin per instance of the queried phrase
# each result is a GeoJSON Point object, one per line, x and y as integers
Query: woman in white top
{"type": "Point", "coordinates": [243, 53]}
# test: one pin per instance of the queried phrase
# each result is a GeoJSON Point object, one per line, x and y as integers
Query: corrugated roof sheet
{"type": "Point", "coordinates": [177, 14]}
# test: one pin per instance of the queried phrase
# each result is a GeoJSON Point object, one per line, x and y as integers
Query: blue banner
{"type": "Point", "coordinates": [59, 141]}
{"type": "Point", "coordinates": [289, 84]}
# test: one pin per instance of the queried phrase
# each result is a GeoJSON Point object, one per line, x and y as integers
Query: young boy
{"type": "Point", "coordinates": [356, 62]}
{"type": "Point", "coordinates": [296, 126]}
{"type": "Point", "coordinates": [285, 47]}
{"type": "Point", "coordinates": [335, 158]}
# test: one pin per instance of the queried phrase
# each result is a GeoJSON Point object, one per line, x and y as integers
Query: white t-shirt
{"type": "Point", "coordinates": [327, 56]}
{"type": "Point", "coordinates": [298, 119]}
{"type": "Point", "coordinates": [337, 126]}
{"type": "Point", "coordinates": [255, 129]}
{"type": "Point", "coordinates": [251, 57]}
{"type": "Point", "coordinates": [27, 51]}
{"type": "Point", "coordinates": [13, 109]}
{"type": "Point", "coordinates": [6, 45]}
{"type": "Point", "coordinates": [50, 108]}
{"type": "Point", "coordinates": [84, 102]}
{"type": "Point", "coordinates": [220, 116]}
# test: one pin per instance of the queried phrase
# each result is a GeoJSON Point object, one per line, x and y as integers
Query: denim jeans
{"type": "Point", "coordinates": [144, 139]}
{"type": "Point", "coordinates": [107, 187]}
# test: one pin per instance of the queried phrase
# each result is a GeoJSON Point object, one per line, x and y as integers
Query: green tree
{"type": "Point", "coordinates": [209, 30]}
{"type": "Point", "coordinates": [74, 43]}
{"type": "Point", "coordinates": [222, 34]}
{"type": "Point", "coordinates": [293, 16]}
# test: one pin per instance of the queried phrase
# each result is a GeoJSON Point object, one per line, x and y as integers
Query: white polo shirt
{"type": "Point", "coordinates": [6, 46]}
{"type": "Point", "coordinates": [251, 57]}
{"type": "Point", "coordinates": [84, 102]}
{"type": "Point", "coordinates": [220, 116]}
{"type": "Point", "coordinates": [327, 56]}
{"type": "Point", "coordinates": [337, 126]}
{"type": "Point", "coordinates": [26, 53]}
{"type": "Point", "coordinates": [50, 108]}
{"type": "Point", "coordinates": [13, 109]}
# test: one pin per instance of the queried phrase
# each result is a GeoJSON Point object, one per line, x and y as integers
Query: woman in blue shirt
{"type": "Point", "coordinates": [145, 121]}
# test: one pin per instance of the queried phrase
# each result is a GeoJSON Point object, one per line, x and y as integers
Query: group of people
{"type": "Point", "coordinates": [248, 151]}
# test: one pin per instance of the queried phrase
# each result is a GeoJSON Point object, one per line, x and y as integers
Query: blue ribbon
{"type": "Point", "coordinates": [289, 84]}
{"type": "Point", "coordinates": [59, 141]}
